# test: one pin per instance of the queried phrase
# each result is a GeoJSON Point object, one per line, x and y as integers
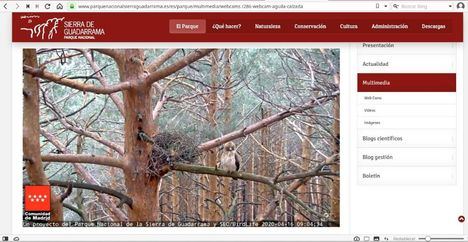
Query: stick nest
{"type": "Point", "coordinates": [171, 147]}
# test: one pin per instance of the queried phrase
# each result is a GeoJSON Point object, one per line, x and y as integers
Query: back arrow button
{"type": "Point", "coordinates": [5, 6]}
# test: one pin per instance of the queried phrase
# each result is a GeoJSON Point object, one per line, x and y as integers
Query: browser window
{"type": "Point", "coordinates": [233, 121]}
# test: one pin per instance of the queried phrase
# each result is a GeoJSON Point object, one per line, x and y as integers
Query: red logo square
{"type": "Point", "coordinates": [37, 198]}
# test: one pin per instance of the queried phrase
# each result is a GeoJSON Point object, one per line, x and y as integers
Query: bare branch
{"type": "Point", "coordinates": [243, 176]}
{"type": "Point", "coordinates": [113, 53]}
{"type": "Point", "coordinates": [187, 60]}
{"type": "Point", "coordinates": [160, 60]}
{"type": "Point", "coordinates": [264, 123]}
{"type": "Point", "coordinates": [36, 72]}
{"type": "Point", "coordinates": [217, 172]}
{"type": "Point", "coordinates": [95, 137]}
{"type": "Point", "coordinates": [71, 126]}
{"type": "Point", "coordinates": [115, 98]}
{"type": "Point", "coordinates": [315, 172]}
{"type": "Point", "coordinates": [159, 105]}
{"type": "Point", "coordinates": [85, 159]}
{"type": "Point", "coordinates": [76, 210]}
{"type": "Point", "coordinates": [124, 198]}
{"type": "Point", "coordinates": [86, 176]}
{"type": "Point", "coordinates": [67, 193]}
{"type": "Point", "coordinates": [61, 58]}
{"type": "Point", "coordinates": [291, 188]}
{"type": "Point", "coordinates": [70, 114]}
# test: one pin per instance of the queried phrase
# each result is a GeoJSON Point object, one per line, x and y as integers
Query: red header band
{"type": "Point", "coordinates": [237, 27]}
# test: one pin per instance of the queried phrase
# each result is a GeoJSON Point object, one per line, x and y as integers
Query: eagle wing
{"type": "Point", "coordinates": [238, 159]}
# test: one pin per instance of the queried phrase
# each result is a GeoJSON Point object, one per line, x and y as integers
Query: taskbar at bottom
{"type": "Point", "coordinates": [217, 236]}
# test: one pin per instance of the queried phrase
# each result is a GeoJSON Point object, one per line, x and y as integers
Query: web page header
{"type": "Point", "coordinates": [237, 27]}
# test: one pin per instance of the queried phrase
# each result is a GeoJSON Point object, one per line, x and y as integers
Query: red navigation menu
{"type": "Point", "coordinates": [407, 82]}
{"type": "Point", "coordinates": [237, 27]}
{"type": "Point", "coordinates": [187, 26]}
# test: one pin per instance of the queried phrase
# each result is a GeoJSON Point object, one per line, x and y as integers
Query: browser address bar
{"type": "Point", "coordinates": [220, 6]}
{"type": "Point", "coordinates": [185, 6]}
{"type": "Point", "coordinates": [232, 6]}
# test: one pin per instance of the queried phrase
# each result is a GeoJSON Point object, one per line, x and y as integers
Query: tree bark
{"type": "Point", "coordinates": [31, 133]}
{"type": "Point", "coordinates": [175, 197]}
{"type": "Point", "coordinates": [306, 163]}
{"type": "Point", "coordinates": [212, 155]}
{"type": "Point", "coordinates": [335, 191]}
{"type": "Point", "coordinates": [226, 182]}
{"type": "Point", "coordinates": [141, 187]}
{"type": "Point", "coordinates": [264, 193]}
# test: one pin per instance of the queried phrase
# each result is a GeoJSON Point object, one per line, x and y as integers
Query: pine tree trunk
{"type": "Point", "coordinates": [306, 164]}
{"type": "Point", "coordinates": [202, 204]}
{"type": "Point", "coordinates": [79, 198]}
{"type": "Point", "coordinates": [176, 192]}
{"type": "Point", "coordinates": [141, 187]}
{"type": "Point", "coordinates": [265, 193]}
{"type": "Point", "coordinates": [226, 182]}
{"type": "Point", "coordinates": [212, 155]}
{"type": "Point", "coordinates": [280, 142]}
{"type": "Point", "coordinates": [335, 191]}
{"type": "Point", "coordinates": [251, 185]}
{"type": "Point", "coordinates": [31, 133]}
